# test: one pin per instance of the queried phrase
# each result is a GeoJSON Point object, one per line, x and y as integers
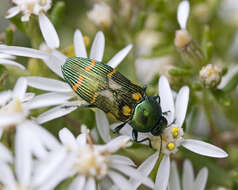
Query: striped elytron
{"type": "Point", "coordinates": [104, 87]}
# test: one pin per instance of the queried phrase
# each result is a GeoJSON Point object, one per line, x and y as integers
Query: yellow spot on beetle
{"type": "Point", "coordinates": [88, 68]}
{"type": "Point", "coordinates": [80, 80]}
{"type": "Point", "coordinates": [136, 96]}
{"type": "Point", "coordinates": [171, 146]}
{"type": "Point", "coordinates": [109, 114]}
{"type": "Point", "coordinates": [126, 110]}
{"type": "Point", "coordinates": [94, 98]}
{"type": "Point", "coordinates": [111, 73]}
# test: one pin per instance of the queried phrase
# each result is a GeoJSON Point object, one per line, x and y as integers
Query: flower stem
{"type": "Point", "coordinates": [156, 167]}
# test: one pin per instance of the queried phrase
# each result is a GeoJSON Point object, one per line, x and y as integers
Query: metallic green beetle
{"type": "Point", "coordinates": [107, 89]}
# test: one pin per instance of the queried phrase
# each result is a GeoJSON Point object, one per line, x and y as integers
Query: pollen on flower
{"type": "Point", "coordinates": [175, 132]}
{"type": "Point", "coordinates": [171, 146]}
{"type": "Point", "coordinates": [86, 40]}
{"type": "Point", "coordinates": [91, 162]}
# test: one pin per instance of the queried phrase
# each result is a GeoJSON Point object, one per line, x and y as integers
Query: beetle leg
{"type": "Point", "coordinates": [166, 112]}
{"type": "Point", "coordinates": [118, 128]}
{"type": "Point", "coordinates": [135, 136]}
{"type": "Point", "coordinates": [89, 106]}
{"type": "Point", "coordinates": [144, 88]}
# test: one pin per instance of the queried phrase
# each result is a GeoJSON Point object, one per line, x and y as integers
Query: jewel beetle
{"type": "Point", "coordinates": [107, 89]}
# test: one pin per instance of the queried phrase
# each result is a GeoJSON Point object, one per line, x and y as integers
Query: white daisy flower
{"type": "Point", "coordinates": [172, 136]}
{"type": "Point", "coordinates": [14, 110]}
{"type": "Point", "coordinates": [36, 7]}
{"type": "Point", "coordinates": [54, 60]}
{"type": "Point", "coordinates": [182, 37]}
{"type": "Point", "coordinates": [6, 59]}
{"type": "Point", "coordinates": [24, 174]}
{"type": "Point", "coordinates": [95, 166]}
{"type": "Point", "coordinates": [101, 14]}
{"type": "Point", "coordinates": [188, 179]}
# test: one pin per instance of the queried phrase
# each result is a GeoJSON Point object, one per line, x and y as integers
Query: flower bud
{"type": "Point", "coordinates": [210, 75]}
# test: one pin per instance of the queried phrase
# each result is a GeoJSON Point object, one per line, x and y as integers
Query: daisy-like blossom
{"type": "Point", "coordinates": [6, 59]}
{"type": "Point", "coordinates": [182, 37]}
{"type": "Point", "coordinates": [15, 106]}
{"type": "Point", "coordinates": [172, 136]}
{"type": "Point", "coordinates": [188, 179]}
{"type": "Point", "coordinates": [54, 60]}
{"type": "Point", "coordinates": [36, 7]}
{"type": "Point", "coordinates": [101, 14]}
{"type": "Point", "coordinates": [25, 173]}
{"type": "Point", "coordinates": [94, 166]}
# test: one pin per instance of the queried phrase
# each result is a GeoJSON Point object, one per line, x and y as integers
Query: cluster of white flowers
{"type": "Point", "coordinates": [42, 162]}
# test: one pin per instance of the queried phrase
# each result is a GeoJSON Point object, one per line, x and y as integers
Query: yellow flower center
{"type": "Point", "coordinates": [171, 146]}
{"type": "Point", "coordinates": [86, 40]}
{"type": "Point", "coordinates": [175, 132]}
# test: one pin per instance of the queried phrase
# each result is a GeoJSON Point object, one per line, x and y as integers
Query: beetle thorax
{"type": "Point", "coordinates": [146, 115]}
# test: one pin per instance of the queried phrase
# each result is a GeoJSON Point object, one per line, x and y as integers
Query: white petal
{"type": "Point", "coordinates": [11, 63]}
{"type": "Point", "coordinates": [174, 178]}
{"type": "Point", "coordinates": [6, 175]}
{"type": "Point", "coordinates": [36, 146]}
{"type": "Point", "coordinates": [102, 125]}
{"type": "Point", "coordinates": [145, 168]}
{"type": "Point", "coordinates": [231, 72]}
{"type": "Point", "coordinates": [44, 136]}
{"type": "Point", "coordinates": [201, 180]}
{"type": "Point", "coordinates": [67, 138]}
{"type": "Point", "coordinates": [182, 14]}
{"type": "Point", "coordinates": [49, 99]}
{"type": "Point", "coordinates": [22, 51]}
{"type": "Point", "coordinates": [23, 162]}
{"type": "Point", "coordinates": [79, 47]}
{"type": "Point", "coordinates": [81, 140]}
{"type": "Point", "coordinates": [6, 56]}
{"type": "Point", "coordinates": [91, 184]}
{"type": "Point", "coordinates": [134, 173]}
{"type": "Point", "coordinates": [162, 177]}
{"type": "Point", "coordinates": [48, 31]}
{"type": "Point", "coordinates": [181, 105]}
{"type": "Point", "coordinates": [47, 168]}
{"type": "Point", "coordinates": [54, 113]}
{"type": "Point", "coordinates": [12, 12]}
{"type": "Point", "coordinates": [120, 181]}
{"type": "Point", "coordinates": [188, 175]}
{"type": "Point", "coordinates": [48, 84]}
{"type": "Point", "coordinates": [97, 48]}
{"type": "Point", "coordinates": [10, 119]}
{"type": "Point", "coordinates": [54, 61]}
{"type": "Point", "coordinates": [5, 154]}
{"type": "Point", "coordinates": [116, 60]}
{"type": "Point", "coordinates": [118, 159]}
{"type": "Point", "coordinates": [203, 148]}
{"type": "Point", "coordinates": [166, 98]}
{"type": "Point", "coordinates": [115, 144]}
{"type": "Point", "coordinates": [5, 97]}
{"type": "Point", "coordinates": [78, 183]}
{"type": "Point", "coordinates": [20, 88]}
